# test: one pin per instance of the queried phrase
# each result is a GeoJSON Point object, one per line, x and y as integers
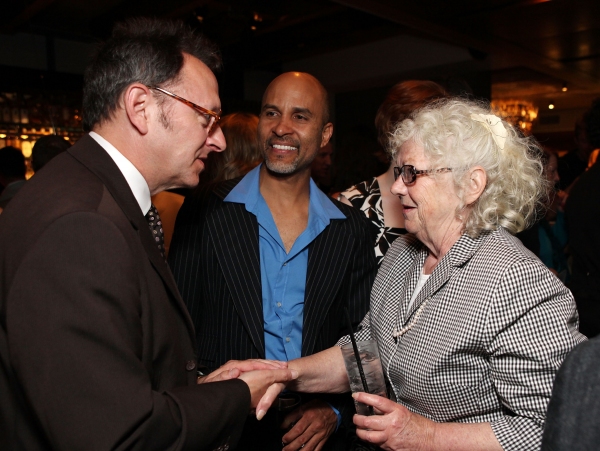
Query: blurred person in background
{"type": "Point", "coordinates": [575, 162]}
{"type": "Point", "coordinates": [243, 152]}
{"type": "Point", "coordinates": [45, 149]}
{"type": "Point", "coordinates": [373, 197]}
{"type": "Point", "coordinates": [552, 228]}
{"type": "Point", "coordinates": [582, 210]}
{"type": "Point", "coordinates": [320, 168]}
{"type": "Point", "coordinates": [12, 173]}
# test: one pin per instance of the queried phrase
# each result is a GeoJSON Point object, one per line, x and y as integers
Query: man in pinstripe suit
{"type": "Point", "coordinates": [268, 264]}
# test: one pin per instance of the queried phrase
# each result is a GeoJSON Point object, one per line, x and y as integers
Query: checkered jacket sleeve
{"type": "Point", "coordinates": [495, 326]}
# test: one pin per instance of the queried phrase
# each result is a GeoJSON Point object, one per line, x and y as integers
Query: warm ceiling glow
{"type": "Point", "coordinates": [551, 106]}
{"type": "Point", "coordinates": [2, 136]}
{"type": "Point", "coordinates": [24, 136]}
{"type": "Point", "coordinates": [520, 113]}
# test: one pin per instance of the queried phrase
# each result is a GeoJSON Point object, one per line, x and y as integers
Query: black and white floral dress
{"type": "Point", "coordinates": [366, 196]}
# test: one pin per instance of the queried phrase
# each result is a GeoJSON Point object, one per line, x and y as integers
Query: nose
{"type": "Point", "coordinates": [215, 141]}
{"type": "Point", "coordinates": [398, 187]}
{"type": "Point", "coordinates": [282, 127]}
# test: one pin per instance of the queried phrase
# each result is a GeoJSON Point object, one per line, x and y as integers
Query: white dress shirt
{"type": "Point", "coordinates": [134, 178]}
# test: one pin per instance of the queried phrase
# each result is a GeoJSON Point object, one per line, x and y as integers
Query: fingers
{"type": "Point", "coordinates": [267, 400]}
{"type": "Point", "coordinates": [317, 422]}
{"type": "Point", "coordinates": [218, 375]}
{"type": "Point", "coordinates": [291, 418]}
{"type": "Point", "coordinates": [375, 437]}
{"type": "Point", "coordinates": [259, 381]}
{"type": "Point", "coordinates": [254, 364]}
{"type": "Point", "coordinates": [384, 405]}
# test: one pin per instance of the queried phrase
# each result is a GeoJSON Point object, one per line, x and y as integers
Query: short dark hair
{"type": "Point", "coordinates": [401, 100]}
{"type": "Point", "coordinates": [46, 148]}
{"type": "Point", "coordinates": [143, 50]}
{"type": "Point", "coordinates": [12, 163]}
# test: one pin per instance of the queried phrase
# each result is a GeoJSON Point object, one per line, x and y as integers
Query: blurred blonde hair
{"type": "Point", "coordinates": [242, 153]}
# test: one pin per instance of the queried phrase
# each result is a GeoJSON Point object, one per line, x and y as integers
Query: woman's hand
{"type": "Point", "coordinates": [234, 368]}
{"type": "Point", "coordinates": [396, 428]}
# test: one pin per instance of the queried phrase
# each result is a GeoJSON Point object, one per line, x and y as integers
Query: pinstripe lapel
{"type": "Point", "coordinates": [328, 258]}
{"type": "Point", "coordinates": [234, 234]}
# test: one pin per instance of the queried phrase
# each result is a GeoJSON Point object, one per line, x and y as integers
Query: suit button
{"type": "Point", "coordinates": [190, 365]}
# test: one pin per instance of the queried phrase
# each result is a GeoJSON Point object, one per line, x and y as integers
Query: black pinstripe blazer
{"type": "Point", "coordinates": [215, 258]}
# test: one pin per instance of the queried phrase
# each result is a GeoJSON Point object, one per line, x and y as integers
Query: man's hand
{"type": "Point", "coordinates": [233, 369]}
{"type": "Point", "coordinates": [312, 423]}
{"type": "Point", "coordinates": [260, 381]}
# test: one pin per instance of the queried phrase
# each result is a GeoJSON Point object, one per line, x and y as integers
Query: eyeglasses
{"type": "Point", "coordinates": [211, 117]}
{"type": "Point", "coordinates": [409, 173]}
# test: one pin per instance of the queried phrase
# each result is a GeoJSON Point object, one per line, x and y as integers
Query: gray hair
{"type": "Point", "coordinates": [516, 186]}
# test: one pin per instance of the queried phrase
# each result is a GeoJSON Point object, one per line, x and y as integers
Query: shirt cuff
{"type": "Point", "coordinates": [338, 414]}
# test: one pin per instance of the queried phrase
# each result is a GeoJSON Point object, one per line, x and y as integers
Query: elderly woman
{"type": "Point", "coordinates": [471, 326]}
{"type": "Point", "coordinates": [373, 197]}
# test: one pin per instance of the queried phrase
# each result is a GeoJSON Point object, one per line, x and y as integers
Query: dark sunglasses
{"type": "Point", "coordinates": [409, 173]}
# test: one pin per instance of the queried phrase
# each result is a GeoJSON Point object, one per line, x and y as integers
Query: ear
{"type": "Point", "coordinates": [137, 99]}
{"type": "Point", "coordinates": [326, 133]}
{"type": "Point", "coordinates": [476, 182]}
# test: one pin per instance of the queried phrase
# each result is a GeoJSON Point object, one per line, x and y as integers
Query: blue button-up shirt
{"type": "Point", "coordinates": [283, 275]}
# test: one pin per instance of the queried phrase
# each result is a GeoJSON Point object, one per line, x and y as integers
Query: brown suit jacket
{"type": "Point", "coordinates": [96, 346]}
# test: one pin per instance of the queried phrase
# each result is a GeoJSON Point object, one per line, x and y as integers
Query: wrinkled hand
{"type": "Point", "coordinates": [233, 369]}
{"type": "Point", "coordinates": [396, 429]}
{"type": "Point", "coordinates": [313, 423]}
{"type": "Point", "coordinates": [259, 382]}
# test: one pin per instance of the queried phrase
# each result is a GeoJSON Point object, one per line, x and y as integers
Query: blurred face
{"type": "Point", "coordinates": [181, 141]}
{"type": "Point", "coordinates": [321, 165]}
{"type": "Point", "coordinates": [290, 128]}
{"type": "Point", "coordinates": [430, 202]}
{"type": "Point", "coordinates": [551, 169]}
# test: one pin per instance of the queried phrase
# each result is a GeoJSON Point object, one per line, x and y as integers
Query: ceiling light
{"type": "Point", "coordinates": [520, 113]}
{"type": "Point", "coordinates": [551, 106]}
{"type": "Point", "coordinates": [24, 136]}
{"type": "Point", "coordinates": [564, 88]}
{"type": "Point", "coordinates": [257, 17]}
{"type": "Point", "coordinates": [200, 18]}
{"type": "Point", "coordinates": [253, 27]}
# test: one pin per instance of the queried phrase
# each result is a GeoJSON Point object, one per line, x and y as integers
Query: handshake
{"type": "Point", "coordinates": [265, 379]}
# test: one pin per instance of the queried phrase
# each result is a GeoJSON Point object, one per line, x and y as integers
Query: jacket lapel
{"type": "Point", "coordinates": [94, 157]}
{"type": "Point", "coordinates": [234, 234]}
{"type": "Point", "coordinates": [328, 257]}
{"type": "Point", "coordinates": [457, 256]}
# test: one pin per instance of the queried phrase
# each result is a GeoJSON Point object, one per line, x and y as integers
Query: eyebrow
{"type": "Point", "coordinates": [305, 111]}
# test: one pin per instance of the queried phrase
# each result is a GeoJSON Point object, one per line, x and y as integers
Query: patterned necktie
{"type": "Point", "coordinates": [156, 228]}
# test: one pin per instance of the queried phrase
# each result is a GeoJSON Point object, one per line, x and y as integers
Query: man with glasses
{"type": "Point", "coordinates": [97, 348]}
{"type": "Point", "coordinates": [268, 264]}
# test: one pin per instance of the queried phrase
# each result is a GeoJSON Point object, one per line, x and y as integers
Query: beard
{"type": "Point", "coordinates": [280, 164]}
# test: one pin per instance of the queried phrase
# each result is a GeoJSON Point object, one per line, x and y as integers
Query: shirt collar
{"type": "Point", "coordinates": [247, 192]}
{"type": "Point", "coordinates": [134, 178]}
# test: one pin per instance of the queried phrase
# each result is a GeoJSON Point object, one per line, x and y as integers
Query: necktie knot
{"type": "Point", "coordinates": [156, 228]}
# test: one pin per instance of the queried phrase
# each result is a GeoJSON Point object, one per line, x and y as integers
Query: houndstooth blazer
{"type": "Point", "coordinates": [493, 331]}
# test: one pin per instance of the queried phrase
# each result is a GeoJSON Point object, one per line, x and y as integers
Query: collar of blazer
{"type": "Point", "coordinates": [458, 255]}
{"type": "Point", "coordinates": [89, 153]}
